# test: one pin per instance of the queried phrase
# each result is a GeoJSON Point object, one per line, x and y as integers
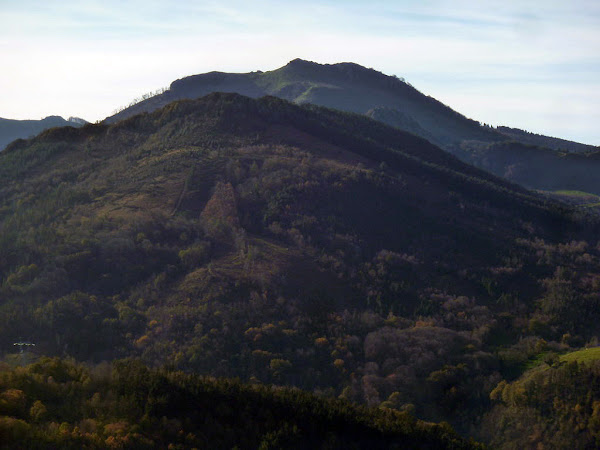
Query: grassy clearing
{"type": "Point", "coordinates": [578, 199]}
{"type": "Point", "coordinates": [588, 354]}
{"type": "Point", "coordinates": [539, 362]}
{"type": "Point", "coordinates": [575, 193]}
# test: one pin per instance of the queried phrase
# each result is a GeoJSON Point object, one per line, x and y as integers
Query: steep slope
{"type": "Point", "coordinates": [287, 244]}
{"type": "Point", "coordinates": [22, 129]}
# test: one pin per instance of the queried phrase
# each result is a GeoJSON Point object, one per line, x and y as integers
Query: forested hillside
{"type": "Point", "coordinates": [289, 245]}
{"type": "Point", "coordinates": [556, 404]}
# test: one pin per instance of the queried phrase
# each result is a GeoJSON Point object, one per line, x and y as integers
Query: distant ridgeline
{"type": "Point", "coordinates": [534, 161]}
{"type": "Point", "coordinates": [539, 140]}
{"type": "Point", "coordinates": [23, 129]}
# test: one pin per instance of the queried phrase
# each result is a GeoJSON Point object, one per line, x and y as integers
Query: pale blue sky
{"type": "Point", "coordinates": [530, 64]}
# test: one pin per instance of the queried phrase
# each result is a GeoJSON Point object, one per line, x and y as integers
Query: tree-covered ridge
{"type": "Point", "coordinates": [59, 404]}
{"type": "Point", "coordinates": [291, 245]}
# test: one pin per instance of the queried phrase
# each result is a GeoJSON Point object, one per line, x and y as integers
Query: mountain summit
{"type": "Point", "coordinates": [343, 86]}
{"type": "Point", "coordinates": [537, 162]}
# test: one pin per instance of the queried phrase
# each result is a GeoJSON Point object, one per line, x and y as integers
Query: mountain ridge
{"type": "Point", "coordinates": [289, 82]}
{"type": "Point", "coordinates": [351, 87]}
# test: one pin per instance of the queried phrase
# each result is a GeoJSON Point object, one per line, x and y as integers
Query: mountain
{"type": "Point", "coordinates": [350, 87]}
{"type": "Point", "coordinates": [22, 129]}
{"type": "Point", "coordinates": [292, 245]}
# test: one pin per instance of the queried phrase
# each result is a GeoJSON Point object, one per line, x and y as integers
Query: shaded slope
{"type": "Point", "coordinates": [537, 167]}
{"type": "Point", "coordinates": [109, 202]}
{"type": "Point", "coordinates": [288, 244]}
{"type": "Point", "coordinates": [432, 184]}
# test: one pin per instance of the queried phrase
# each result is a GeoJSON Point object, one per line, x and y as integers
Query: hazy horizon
{"type": "Point", "coordinates": [531, 65]}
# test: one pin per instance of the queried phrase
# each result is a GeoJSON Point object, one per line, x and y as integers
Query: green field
{"type": "Point", "coordinates": [575, 193]}
{"type": "Point", "coordinates": [579, 199]}
{"type": "Point", "coordinates": [588, 354]}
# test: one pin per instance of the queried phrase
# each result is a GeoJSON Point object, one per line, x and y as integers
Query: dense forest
{"type": "Point", "coordinates": [284, 245]}
{"type": "Point", "coordinates": [60, 404]}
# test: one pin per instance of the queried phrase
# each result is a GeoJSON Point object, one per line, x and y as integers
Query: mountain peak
{"type": "Point", "coordinates": [343, 67]}
{"type": "Point", "coordinates": [300, 62]}
{"type": "Point", "coordinates": [348, 86]}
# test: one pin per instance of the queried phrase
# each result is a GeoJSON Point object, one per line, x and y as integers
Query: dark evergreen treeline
{"type": "Point", "coordinates": [59, 404]}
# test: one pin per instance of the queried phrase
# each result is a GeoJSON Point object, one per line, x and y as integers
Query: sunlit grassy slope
{"type": "Point", "coordinates": [585, 355]}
